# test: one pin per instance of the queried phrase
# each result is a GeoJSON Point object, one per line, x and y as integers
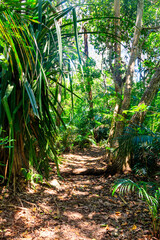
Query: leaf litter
{"type": "Point", "coordinates": [78, 207]}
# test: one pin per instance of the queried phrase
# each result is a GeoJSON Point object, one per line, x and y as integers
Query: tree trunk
{"type": "Point", "coordinates": [138, 117]}
{"type": "Point", "coordinates": [116, 70]}
{"type": "Point", "coordinates": [120, 124]}
{"type": "Point", "coordinates": [89, 85]}
{"type": "Point", "coordinates": [117, 48]}
{"type": "Point", "coordinates": [148, 96]}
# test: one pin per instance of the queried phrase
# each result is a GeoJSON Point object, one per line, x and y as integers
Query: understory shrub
{"type": "Point", "coordinates": [142, 145]}
{"type": "Point", "coordinates": [72, 137]}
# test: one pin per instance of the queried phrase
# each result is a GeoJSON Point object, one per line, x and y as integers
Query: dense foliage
{"type": "Point", "coordinates": [64, 75]}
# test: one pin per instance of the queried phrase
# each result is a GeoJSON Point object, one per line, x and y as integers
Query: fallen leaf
{"type": "Point", "coordinates": [107, 227]}
{"type": "Point", "coordinates": [118, 213]}
{"type": "Point", "coordinates": [146, 210]}
{"type": "Point", "coordinates": [124, 224]}
{"type": "Point", "coordinates": [134, 227]}
{"type": "Point", "coordinates": [34, 209]}
{"type": "Point", "coordinates": [138, 211]}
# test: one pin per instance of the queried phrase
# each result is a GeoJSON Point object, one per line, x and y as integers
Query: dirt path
{"type": "Point", "coordinates": [90, 161]}
{"type": "Point", "coordinates": [80, 207]}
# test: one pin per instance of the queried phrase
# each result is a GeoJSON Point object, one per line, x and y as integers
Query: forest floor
{"type": "Point", "coordinates": [79, 207]}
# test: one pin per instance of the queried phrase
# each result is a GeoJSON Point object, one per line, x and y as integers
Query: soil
{"type": "Point", "coordinates": [78, 207]}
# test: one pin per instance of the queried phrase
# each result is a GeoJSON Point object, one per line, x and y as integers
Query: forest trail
{"type": "Point", "coordinates": [79, 207]}
{"type": "Point", "coordinates": [91, 161]}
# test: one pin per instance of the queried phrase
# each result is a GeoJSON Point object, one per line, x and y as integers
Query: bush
{"type": "Point", "coordinates": [143, 147]}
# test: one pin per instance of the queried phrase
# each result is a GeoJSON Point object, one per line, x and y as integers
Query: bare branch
{"type": "Point", "coordinates": [150, 28]}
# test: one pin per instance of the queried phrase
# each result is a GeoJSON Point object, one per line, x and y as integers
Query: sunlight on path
{"type": "Point", "coordinates": [78, 207]}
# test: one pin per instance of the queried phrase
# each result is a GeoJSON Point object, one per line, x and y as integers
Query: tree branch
{"type": "Point", "coordinates": [147, 98]}
{"type": "Point", "coordinates": [150, 28]}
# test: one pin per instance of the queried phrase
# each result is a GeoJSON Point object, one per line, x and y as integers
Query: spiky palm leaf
{"type": "Point", "coordinates": [31, 50]}
{"type": "Point", "coordinates": [144, 190]}
{"type": "Point", "coordinates": [142, 145]}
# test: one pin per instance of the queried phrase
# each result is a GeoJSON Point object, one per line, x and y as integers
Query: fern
{"type": "Point", "coordinates": [143, 146]}
{"type": "Point", "coordinates": [148, 193]}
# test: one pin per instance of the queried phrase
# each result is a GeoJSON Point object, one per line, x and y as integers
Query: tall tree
{"type": "Point", "coordinates": [120, 124]}
{"type": "Point", "coordinates": [89, 85]}
{"type": "Point", "coordinates": [116, 70]}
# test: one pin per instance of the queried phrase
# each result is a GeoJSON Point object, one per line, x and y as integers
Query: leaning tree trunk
{"type": "Point", "coordinates": [138, 117]}
{"type": "Point", "coordinates": [148, 96]}
{"type": "Point", "coordinates": [120, 124]}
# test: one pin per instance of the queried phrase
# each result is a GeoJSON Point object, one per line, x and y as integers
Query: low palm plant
{"type": "Point", "coordinates": [142, 147]}
{"type": "Point", "coordinates": [149, 192]}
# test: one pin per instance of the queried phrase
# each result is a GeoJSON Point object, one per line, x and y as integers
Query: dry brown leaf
{"type": "Point", "coordinates": [118, 213]}
{"type": "Point", "coordinates": [124, 224]}
{"type": "Point", "coordinates": [134, 227]}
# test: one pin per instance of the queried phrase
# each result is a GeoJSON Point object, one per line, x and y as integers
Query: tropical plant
{"type": "Point", "coordinates": [4, 143]}
{"type": "Point", "coordinates": [149, 192]}
{"type": "Point", "coordinates": [31, 176]}
{"type": "Point", "coordinates": [31, 61]}
{"type": "Point", "coordinates": [142, 145]}
{"type": "Point", "coordinates": [114, 41]}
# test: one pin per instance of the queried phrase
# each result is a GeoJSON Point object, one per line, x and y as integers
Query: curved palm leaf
{"type": "Point", "coordinates": [32, 48]}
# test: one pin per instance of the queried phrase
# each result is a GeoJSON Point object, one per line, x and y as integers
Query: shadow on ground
{"type": "Point", "coordinates": [79, 207]}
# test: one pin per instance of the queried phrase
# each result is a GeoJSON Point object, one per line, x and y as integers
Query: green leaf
{"type": "Point", "coordinates": [76, 33]}
{"type": "Point", "coordinates": [58, 31]}
{"type": "Point", "coordinates": [32, 98]}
